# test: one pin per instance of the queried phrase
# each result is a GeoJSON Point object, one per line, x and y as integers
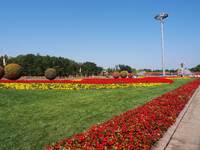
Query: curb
{"type": "Point", "coordinates": [164, 141]}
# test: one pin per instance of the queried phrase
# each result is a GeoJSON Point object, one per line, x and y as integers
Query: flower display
{"type": "Point", "coordinates": [88, 83]}
{"type": "Point", "coordinates": [126, 80]}
{"type": "Point", "coordinates": [139, 128]}
{"type": "Point", "coordinates": [70, 86]}
{"type": "Point", "coordinates": [97, 80]}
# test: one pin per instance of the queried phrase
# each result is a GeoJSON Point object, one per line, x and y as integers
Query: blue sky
{"type": "Point", "coordinates": [107, 32]}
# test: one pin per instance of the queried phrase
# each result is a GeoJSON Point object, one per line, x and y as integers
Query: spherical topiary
{"type": "Point", "coordinates": [130, 75]}
{"type": "Point", "coordinates": [116, 75]}
{"type": "Point", "coordinates": [123, 74]}
{"type": "Point", "coordinates": [13, 71]}
{"type": "Point", "coordinates": [2, 72]}
{"type": "Point", "coordinates": [50, 73]}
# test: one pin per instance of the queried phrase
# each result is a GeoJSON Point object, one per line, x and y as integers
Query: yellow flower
{"type": "Point", "coordinates": [71, 86]}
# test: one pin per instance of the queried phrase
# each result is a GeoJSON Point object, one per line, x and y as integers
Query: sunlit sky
{"type": "Point", "coordinates": [107, 32]}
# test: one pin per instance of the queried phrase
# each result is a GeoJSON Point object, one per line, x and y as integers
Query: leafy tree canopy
{"type": "Point", "coordinates": [196, 68]}
{"type": "Point", "coordinates": [35, 65]}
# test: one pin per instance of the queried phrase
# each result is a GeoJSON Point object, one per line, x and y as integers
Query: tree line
{"type": "Point", "coordinates": [196, 68]}
{"type": "Point", "coordinates": [35, 65]}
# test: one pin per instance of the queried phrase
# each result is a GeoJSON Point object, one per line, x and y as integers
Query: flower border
{"type": "Point", "coordinates": [139, 128]}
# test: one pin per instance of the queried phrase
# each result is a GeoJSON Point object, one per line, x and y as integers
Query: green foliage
{"type": "Point", "coordinates": [90, 68]}
{"type": "Point", "coordinates": [148, 70]}
{"type": "Point", "coordinates": [133, 71]}
{"type": "Point", "coordinates": [124, 74]}
{"type": "Point", "coordinates": [124, 68]}
{"type": "Point", "coordinates": [50, 73]}
{"type": "Point", "coordinates": [116, 75]}
{"type": "Point", "coordinates": [110, 70]}
{"type": "Point", "coordinates": [2, 72]}
{"type": "Point", "coordinates": [35, 65]}
{"type": "Point", "coordinates": [13, 71]}
{"type": "Point", "coordinates": [196, 69]}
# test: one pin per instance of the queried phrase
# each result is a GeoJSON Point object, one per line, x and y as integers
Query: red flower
{"type": "Point", "coordinates": [97, 81]}
{"type": "Point", "coordinates": [139, 128]}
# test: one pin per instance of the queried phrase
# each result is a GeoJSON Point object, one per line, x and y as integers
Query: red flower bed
{"type": "Point", "coordinates": [97, 81]}
{"type": "Point", "coordinates": [127, 80]}
{"type": "Point", "coordinates": [139, 128]}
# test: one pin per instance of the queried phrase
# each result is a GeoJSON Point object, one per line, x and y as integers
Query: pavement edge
{"type": "Point", "coordinates": [164, 141]}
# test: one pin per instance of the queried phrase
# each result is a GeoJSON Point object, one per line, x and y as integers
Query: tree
{"type": "Point", "coordinates": [125, 68]}
{"type": "Point", "coordinates": [35, 65]}
{"type": "Point", "coordinates": [196, 68]}
{"type": "Point", "coordinates": [147, 70]}
{"type": "Point", "coordinates": [110, 70]}
{"type": "Point", "coordinates": [121, 67]}
{"type": "Point", "coordinates": [90, 68]}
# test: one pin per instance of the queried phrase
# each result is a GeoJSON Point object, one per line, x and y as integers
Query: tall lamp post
{"type": "Point", "coordinates": [160, 17]}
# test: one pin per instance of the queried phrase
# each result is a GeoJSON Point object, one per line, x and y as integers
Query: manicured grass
{"type": "Point", "coordinates": [32, 119]}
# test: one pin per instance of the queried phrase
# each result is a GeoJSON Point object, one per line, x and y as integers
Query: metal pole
{"type": "Point", "coordinates": [162, 46]}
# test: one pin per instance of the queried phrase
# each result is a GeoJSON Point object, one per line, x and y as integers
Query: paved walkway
{"type": "Point", "coordinates": [187, 135]}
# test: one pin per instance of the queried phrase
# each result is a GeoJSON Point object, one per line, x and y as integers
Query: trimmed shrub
{"type": "Point", "coordinates": [123, 74]}
{"type": "Point", "coordinates": [13, 71]}
{"type": "Point", "coordinates": [2, 72]}
{"type": "Point", "coordinates": [50, 73]}
{"type": "Point", "coordinates": [116, 75]}
{"type": "Point", "coordinates": [130, 75]}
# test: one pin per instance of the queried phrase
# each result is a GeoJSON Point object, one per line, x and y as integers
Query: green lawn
{"type": "Point", "coordinates": [32, 119]}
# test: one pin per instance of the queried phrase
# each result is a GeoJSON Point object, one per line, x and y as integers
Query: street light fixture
{"type": "Point", "coordinates": [160, 17]}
